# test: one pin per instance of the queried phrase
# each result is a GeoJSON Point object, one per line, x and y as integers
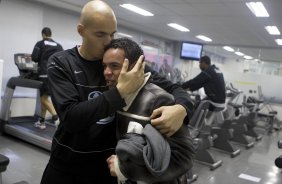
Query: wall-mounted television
{"type": "Point", "coordinates": [191, 51]}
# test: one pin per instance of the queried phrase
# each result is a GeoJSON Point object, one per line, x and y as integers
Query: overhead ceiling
{"type": "Point", "coordinates": [226, 22]}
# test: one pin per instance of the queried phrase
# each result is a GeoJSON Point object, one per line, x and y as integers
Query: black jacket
{"type": "Point", "coordinates": [86, 135]}
{"type": "Point", "coordinates": [213, 82]}
{"type": "Point", "coordinates": [150, 157]}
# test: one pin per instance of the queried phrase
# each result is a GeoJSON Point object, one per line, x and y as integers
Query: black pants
{"type": "Point", "coordinates": [52, 175]}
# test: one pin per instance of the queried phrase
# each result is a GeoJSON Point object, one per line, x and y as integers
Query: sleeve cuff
{"type": "Point", "coordinates": [114, 98]}
{"type": "Point", "coordinates": [120, 176]}
{"type": "Point", "coordinates": [189, 110]}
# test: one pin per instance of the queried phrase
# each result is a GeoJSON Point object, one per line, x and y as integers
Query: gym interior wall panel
{"type": "Point", "coordinates": [23, 107]}
{"type": "Point", "coordinates": [21, 24]}
{"type": "Point", "coordinates": [63, 24]}
{"type": "Point", "coordinates": [249, 82]}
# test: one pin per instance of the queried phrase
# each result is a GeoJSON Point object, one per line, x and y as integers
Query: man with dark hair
{"type": "Point", "coordinates": [46, 31]}
{"type": "Point", "coordinates": [211, 79]}
{"type": "Point", "coordinates": [86, 135]}
{"type": "Point", "coordinates": [40, 54]}
{"type": "Point", "coordinates": [173, 156]}
{"type": "Point", "coordinates": [206, 60]}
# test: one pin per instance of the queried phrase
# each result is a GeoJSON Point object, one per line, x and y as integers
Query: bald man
{"type": "Point", "coordinates": [86, 107]}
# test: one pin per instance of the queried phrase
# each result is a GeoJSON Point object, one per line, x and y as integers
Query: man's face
{"type": "Point", "coordinates": [113, 61]}
{"type": "Point", "coordinates": [97, 35]}
{"type": "Point", "coordinates": [202, 65]}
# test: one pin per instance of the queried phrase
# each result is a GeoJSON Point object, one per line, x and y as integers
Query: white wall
{"type": "Point", "coordinates": [21, 24]}
{"type": "Point", "coordinates": [19, 29]}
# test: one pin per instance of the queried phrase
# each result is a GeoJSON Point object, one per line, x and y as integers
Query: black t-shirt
{"type": "Point", "coordinates": [42, 51]}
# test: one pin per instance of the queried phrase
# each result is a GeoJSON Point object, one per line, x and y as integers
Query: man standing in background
{"type": "Point", "coordinates": [40, 54]}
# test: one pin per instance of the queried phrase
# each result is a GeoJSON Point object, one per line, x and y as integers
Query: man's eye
{"type": "Point", "coordinates": [100, 34]}
{"type": "Point", "coordinates": [115, 66]}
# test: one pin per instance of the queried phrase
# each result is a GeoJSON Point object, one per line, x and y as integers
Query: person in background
{"type": "Point", "coordinates": [42, 51]}
{"type": "Point", "coordinates": [166, 70]}
{"type": "Point", "coordinates": [168, 159]}
{"type": "Point", "coordinates": [86, 135]}
{"type": "Point", "coordinates": [211, 79]}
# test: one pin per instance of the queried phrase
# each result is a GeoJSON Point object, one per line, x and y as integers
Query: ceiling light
{"type": "Point", "coordinates": [239, 53]}
{"type": "Point", "coordinates": [279, 41]}
{"type": "Point", "coordinates": [202, 37]}
{"type": "Point", "coordinates": [125, 35]}
{"type": "Point", "coordinates": [248, 57]}
{"type": "Point", "coordinates": [178, 27]}
{"type": "Point", "coordinates": [230, 49]}
{"type": "Point", "coordinates": [136, 9]}
{"type": "Point", "coordinates": [258, 9]}
{"type": "Point", "coordinates": [272, 30]}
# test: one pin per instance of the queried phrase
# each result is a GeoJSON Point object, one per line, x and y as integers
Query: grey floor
{"type": "Point", "coordinates": [27, 163]}
{"type": "Point", "coordinates": [256, 163]}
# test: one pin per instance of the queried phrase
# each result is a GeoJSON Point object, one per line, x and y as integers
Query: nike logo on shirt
{"type": "Point", "coordinates": [76, 72]}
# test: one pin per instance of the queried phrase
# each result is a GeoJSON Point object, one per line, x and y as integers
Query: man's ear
{"type": "Point", "coordinates": [80, 29]}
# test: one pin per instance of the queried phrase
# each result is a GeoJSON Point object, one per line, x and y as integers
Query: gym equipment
{"type": "Point", "coordinates": [202, 138]}
{"type": "Point", "coordinates": [23, 126]}
{"type": "Point", "coordinates": [238, 125]}
{"type": "Point", "coordinates": [4, 161]}
{"type": "Point", "coordinates": [222, 134]}
{"type": "Point", "coordinates": [278, 161]}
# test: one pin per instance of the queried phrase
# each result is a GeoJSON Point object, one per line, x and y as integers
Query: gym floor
{"type": "Point", "coordinates": [254, 165]}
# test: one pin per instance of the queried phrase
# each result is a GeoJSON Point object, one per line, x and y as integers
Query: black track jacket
{"type": "Point", "coordinates": [213, 82]}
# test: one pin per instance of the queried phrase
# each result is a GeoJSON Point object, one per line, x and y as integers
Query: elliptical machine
{"type": "Point", "coordinates": [236, 122]}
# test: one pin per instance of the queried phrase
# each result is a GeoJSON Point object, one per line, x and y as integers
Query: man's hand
{"type": "Point", "coordinates": [168, 119]}
{"type": "Point", "coordinates": [111, 164]}
{"type": "Point", "coordinates": [130, 81]}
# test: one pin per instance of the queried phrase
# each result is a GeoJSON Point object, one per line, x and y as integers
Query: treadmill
{"type": "Point", "coordinates": [22, 127]}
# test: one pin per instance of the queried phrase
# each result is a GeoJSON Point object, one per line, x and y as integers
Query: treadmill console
{"type": "Point", "coordinates": [27, 67]}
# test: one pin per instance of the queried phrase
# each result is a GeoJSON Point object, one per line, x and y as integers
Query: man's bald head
{"type": "Point", "coordinates": [96, 11]}
{"type": "Point", "coordinates": [97, 27]}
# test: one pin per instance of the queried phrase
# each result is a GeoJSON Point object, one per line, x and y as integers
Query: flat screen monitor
{"type": "Point", "coordinates": [191, 51]}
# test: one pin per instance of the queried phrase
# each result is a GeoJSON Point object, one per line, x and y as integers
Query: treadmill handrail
{"type": "Point", "coordinates": [22, 82]}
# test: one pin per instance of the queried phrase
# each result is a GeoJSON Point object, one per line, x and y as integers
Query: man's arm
{"type": "Point", "coordinates": [197, 82]}
{"type": "Point", "coordinates": [36, 52]}
{"type": "Point", "coordinates": [168, 119]}
{"type": "Point", "coordinates": [69, 104]}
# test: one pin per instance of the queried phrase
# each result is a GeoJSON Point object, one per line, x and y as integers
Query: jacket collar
{"type": "Point", "coordinates": [130, 98]}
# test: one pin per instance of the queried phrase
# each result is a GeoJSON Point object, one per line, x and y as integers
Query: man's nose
{"type": "Point", "coordinates": [107, 71]}
{"type": "Point", "coordinates": [108, 39]}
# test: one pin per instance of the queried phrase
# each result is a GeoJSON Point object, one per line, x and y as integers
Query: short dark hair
{"type": "Point", "coordinates": [206, 60]}
{"type": "Point", "coordinates": [46, 31]}
{"type": "Point", "coordinates": [131, 49]}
